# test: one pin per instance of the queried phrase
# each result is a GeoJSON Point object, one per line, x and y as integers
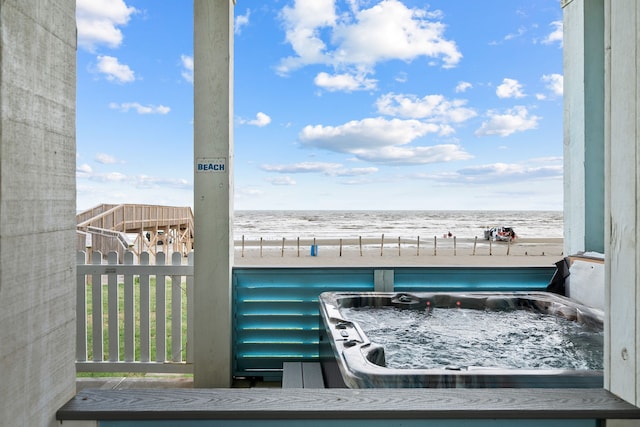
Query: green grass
{"type": "Point", "coordinates": [152, 320]}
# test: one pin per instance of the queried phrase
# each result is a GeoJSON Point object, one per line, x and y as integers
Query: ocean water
{"type": "Point", "coordinates": [426, 224]}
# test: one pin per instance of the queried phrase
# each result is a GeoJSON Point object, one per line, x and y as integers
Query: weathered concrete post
{"type": "Point", "coordinates": [37, 206]}
{"type": "Point", "coordinates": [213, 191]}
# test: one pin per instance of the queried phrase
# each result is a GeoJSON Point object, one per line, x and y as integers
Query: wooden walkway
{"type": "Point", "coordinates": [107, 228]}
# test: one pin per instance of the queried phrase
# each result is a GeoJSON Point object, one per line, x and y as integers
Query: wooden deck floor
{"type": "Point", "coordinates": [163, 381]}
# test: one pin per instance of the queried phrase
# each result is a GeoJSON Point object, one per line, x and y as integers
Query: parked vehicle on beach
{"type": "Point", "coordinates": [501, 234]}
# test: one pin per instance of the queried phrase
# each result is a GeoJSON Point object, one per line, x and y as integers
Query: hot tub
{"type": "Point", "coordinates": [351, 358]}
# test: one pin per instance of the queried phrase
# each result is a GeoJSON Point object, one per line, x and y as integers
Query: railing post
{"type": "Point", "coordinates": [190, 304]}
{"type": "Point", "coordinates": [176, 311]}
{"type": "Point", "coordinates": [129, 311]}
{"type": "Point", "coordinates": [81, 310]}
{"type": "Point", "coordinates": [161, 313]}
{"type": "Point", "coordinates": [112, 309]}
{"type": "Point", "coordinates": [145, 309]}
{"type": "Point", "coordinates": [96, 309]}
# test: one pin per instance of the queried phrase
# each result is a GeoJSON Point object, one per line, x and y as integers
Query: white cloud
{"type": "Point", "coordinates": [303, 167]}
{"type": "Point", "coordinates": [555, 83]}
{"type": "Point", "coordinates": [379, 140]}
{"type": "Point", "coordinates": [514, 120]}
{"type": "Point", "coordinates": [83, 170]}
{"type": "Point", "coordinates": [519, 33]}
{"type": "Point", "coordinates": [140, 181]}
{"type": "Point", "coordinates": [241, 21]}
{"type": "Point", "coordinates": [504, 172]}
{"type": "Point", "coordinates": [115, 71]}
{"type": "Point", "coordinates": [510, 88]}
{"type": "Point", "coordinates": [261, 120]}
{"type": "Point", "coordinates": [390, 30]}
{"type": "Point", "coordinates": [362, 38]}
{"type": "Point", "coordinates": [139, 108]}
{"type": "Point", "coordinates": [556, 36]}
{"type": "Point", "coordinates": [187, 67]}
{"type": "Point", "coordinates": [357, 171]}
{"type": "Point", "coordinates": [110, 177]}
{"type": "Point", "coordinates": [344, 82]}
{"type": "Point", "coordinates": [247, 192]}
{"type": "Point", "coordinates": [144, 181]}
{"type": "Point", "coordinates": [136, 181]}
{"type": "Point", "coordinates": [463, 86]}
{"type": "Point", "coordinates": [281, 180]}
{"type": "Point", "coordinates": [363, 134]}
{"type": "Point", "coordinates": [302, 22]}
{"type": "Point", "coordinates": [432, 107]}
{"type": "Point", "coordinates": [405, 155]}
{"type": "Point", "coordinates": [106, 159]}
{"type": "Point", "coordinates": [97, 22]}
{"type": "Point", "coordinates": [327, 169]}
{"type": "Point", "coordinates": [402, 77]}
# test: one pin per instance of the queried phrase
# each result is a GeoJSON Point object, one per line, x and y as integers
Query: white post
{"type": "Point", "coordinates": [622, 154]}
{"type": "Point", "coordinates": [213, 191]}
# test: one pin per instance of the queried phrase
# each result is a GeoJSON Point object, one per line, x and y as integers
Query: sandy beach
{"type": "Point", "coordinates": [407, 252]}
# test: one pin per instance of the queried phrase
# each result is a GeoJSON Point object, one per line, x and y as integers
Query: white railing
{"type": "Point", "coordinates": [147, 326]}
{"type": "Point", "coordinates": [118, 235]}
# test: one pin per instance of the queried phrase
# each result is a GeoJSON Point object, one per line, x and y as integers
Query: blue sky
{"type": "Point", "coordinates": [339, 104]}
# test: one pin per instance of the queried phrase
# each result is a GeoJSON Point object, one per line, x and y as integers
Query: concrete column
{"type": "Point", "coordinates": [37, 209]}
{"type": "Point", "coordinates": [213, 191]}
{"type": "Point", "coordinates": [622, 282]}
{"type": "Point", "coordinates": [584, 126]}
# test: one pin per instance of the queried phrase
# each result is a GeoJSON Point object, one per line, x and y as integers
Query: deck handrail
{"type": "Point", "coordinates": [185, 215]}
{"type": "Point", "coordinates": [118, 235]}
{"type": "Point", "coordinates": [147, 223]}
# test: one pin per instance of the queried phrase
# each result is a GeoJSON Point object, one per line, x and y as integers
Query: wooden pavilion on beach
{"type": "Point", "coordinates": [107, 228]}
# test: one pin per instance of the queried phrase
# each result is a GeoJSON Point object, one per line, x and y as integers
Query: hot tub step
{"type": "Point", "coordinates": [302, 375]}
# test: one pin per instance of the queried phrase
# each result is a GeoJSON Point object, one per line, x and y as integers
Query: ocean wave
{"type": "Point", "coordinates": [427, 224]}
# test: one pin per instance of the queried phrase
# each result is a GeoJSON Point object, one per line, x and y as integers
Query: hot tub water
{"type": "Point", "coordinates": [433, 338]}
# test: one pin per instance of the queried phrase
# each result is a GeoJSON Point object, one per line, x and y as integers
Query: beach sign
{"type": "Point", "coordinates": [211, 165]}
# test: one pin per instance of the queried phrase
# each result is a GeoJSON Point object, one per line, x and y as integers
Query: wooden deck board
{"type": "Point", "coordinates": [141, 404]}
{"type": "Point", "coordinates": [302, 375]}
